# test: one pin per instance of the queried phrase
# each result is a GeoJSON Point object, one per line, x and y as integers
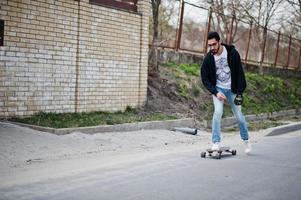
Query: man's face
{"type": "Point", "coordinates": [214, 45]}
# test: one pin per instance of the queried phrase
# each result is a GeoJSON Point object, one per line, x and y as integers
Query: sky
{"type": "Point", "coordinates": [199, 15]}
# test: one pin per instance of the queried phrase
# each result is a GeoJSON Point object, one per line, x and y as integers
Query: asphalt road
{"type": "Point", "coordinates": [272, 171]}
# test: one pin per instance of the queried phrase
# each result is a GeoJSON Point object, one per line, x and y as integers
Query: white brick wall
{"type": "Point", "coordinates": [49, 64]}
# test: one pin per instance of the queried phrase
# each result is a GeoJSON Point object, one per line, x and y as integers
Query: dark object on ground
{"type": "Point", "coordinates": [192, 131]}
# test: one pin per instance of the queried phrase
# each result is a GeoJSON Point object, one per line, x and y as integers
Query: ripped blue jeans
{"type": "Point", "coordinates": [218, 112]}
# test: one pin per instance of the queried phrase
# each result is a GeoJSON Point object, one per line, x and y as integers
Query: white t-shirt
{"type": "Point", "coordinates": [223, 73]}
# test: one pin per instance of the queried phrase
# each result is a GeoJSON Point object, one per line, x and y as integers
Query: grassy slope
{"type": "Point", "coordinates": [263, 94]}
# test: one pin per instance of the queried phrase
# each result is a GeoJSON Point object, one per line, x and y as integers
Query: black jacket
{"type": "Point", "coordinates": [208, 71]}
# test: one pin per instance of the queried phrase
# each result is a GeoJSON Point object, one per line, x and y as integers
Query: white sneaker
{"type": "Point", "coordinates": [248, 146]}
{"type": "Point", "coordinates": [215, 146]}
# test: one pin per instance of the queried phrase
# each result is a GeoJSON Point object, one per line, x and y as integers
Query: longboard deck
{"type": "Point", "coordinates": [222, 149]}
{"type": "Point", "coordinates": [218, 153]}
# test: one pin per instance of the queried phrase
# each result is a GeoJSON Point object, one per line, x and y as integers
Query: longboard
{"type": "Point", "coordinates": [218, 153]}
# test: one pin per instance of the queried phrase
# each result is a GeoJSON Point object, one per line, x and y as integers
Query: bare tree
{"type": "Point", "coordinates": [293, 23]}
{"type": "Point", "coordinates": [167, 30]}
{"type": "Point", "coordinates": [160, 30]}
{"type": "Point", "coordinates": [264, 14]}
{"type": "Point", "coordinates": [296, 4]}
{"type": "Point", "coordinates": [153, 57]}
{"type": "Point", "coordinates": [220, 22]}
{"type": "Point", "coordinates": [227, 16]}
{"type": "Point", "coordinates": [191, 35]}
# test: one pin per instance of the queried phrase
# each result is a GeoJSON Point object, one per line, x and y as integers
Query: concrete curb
{"type": "Point", "coordinates": [285, 129]}
{"type": "Point", "coordinates": [168, 124]}
{"type": "Point", "coordinates": [230, 121]}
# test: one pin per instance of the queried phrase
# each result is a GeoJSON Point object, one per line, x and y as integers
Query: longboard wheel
{"type": "Point", "coordinates": [233, 152]}
{"type": "Point", "coordinates": [203, 154]}
{"type": "Point", "coordinates": [218, 156]}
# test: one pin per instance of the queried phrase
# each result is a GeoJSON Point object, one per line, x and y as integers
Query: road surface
{"type": "Point", "coordinates": [272, 171]}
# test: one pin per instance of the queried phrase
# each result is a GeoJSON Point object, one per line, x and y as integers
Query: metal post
{"type": "Point", "coordinates": [208, 29]}
{"type": "Point", "coordinates": [289, 52]}
{"type": "Point", "coordinates": [180, 25]}
{"type": "Point", "coordinates": [277, 49]}
{"type": "Point", "coordinates": [250, 33]}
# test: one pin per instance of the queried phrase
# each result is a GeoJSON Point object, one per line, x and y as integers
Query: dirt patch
{"type": "Point", "coordinates": [163, 96]}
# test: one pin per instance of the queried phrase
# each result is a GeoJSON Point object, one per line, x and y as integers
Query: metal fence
{"type": "Point", "coordinates": [184, 26]}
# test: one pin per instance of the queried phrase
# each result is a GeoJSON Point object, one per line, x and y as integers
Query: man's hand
{"type": "Point", "coordinates": [220, 96]}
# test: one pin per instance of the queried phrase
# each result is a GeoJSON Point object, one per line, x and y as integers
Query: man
{"type": "Point", "coordinates": [222, 74]}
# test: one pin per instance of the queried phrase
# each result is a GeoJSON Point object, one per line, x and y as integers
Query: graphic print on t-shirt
{"type": "Point", "coordinates": [222, 70]}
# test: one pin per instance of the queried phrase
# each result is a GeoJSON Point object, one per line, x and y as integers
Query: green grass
{"type": "Point", "coordinates": [186, 78]}
{"type": "Point", "coordinates": [270, 93]}
{"type": "Point", "coordinates": [264, 94]}
{"type": "Point", "coordinates": [67, 120]}
{"type": "Point", "coordinates": [188, 69]}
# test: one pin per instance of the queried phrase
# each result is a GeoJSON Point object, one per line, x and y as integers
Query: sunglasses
{"type": "Point", "coordinates": [213, 44]}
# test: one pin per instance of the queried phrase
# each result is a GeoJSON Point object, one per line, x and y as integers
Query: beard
{"type": "Point", "coordinates": [214, 51]}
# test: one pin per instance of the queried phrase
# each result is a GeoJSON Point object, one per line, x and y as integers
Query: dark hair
{"type": "Point", "coordinates": [213, 35]}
